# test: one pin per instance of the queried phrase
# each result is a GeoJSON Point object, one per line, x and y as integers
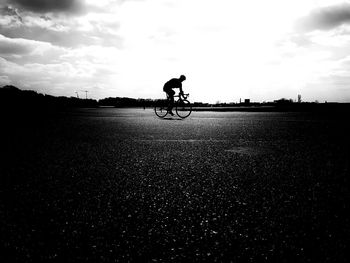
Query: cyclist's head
{"type": "Point", "coordinates": [182, 78]}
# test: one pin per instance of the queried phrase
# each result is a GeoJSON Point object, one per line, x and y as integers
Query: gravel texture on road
{"type": "Point", "coordinates": [121, 185]}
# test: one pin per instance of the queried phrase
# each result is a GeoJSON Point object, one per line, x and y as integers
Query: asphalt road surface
{"type": "Point", "coordinates": [120, 185]}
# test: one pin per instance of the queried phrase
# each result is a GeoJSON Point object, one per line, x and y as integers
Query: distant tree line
{"type": "Point", "coordinates": [13, 98]}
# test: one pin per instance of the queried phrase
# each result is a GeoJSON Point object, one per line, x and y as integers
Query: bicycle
{"type": "Point", "coordinates": [182, 106]}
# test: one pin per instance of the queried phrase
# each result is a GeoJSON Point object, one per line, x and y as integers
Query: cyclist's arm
{"type": "Point", "coordinates": [180, 87]}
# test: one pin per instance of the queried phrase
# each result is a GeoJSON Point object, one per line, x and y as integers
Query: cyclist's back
{"type": "Point", "coordinates": [172, 84]}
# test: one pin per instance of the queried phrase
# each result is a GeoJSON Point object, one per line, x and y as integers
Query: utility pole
{"type": "Point", "coordinates": [77, 94]}
{"type": "Point", "coordinates": [86, 92]}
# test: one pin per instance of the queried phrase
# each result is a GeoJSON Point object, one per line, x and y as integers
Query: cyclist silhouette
{"type": "Point", "coordinates": [168, 89]}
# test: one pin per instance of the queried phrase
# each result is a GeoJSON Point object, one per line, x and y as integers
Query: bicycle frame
{"type": "Point", "coordinates": [181, 97]}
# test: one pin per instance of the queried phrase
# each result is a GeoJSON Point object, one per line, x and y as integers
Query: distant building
{"type": "Point", "coordinates": [246, 101]}
{"type": "Point", "coordinates": [299, 98]}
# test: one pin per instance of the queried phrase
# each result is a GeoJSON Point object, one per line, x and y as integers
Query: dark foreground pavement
{"type": "Point", "coordinates": [109, 185]}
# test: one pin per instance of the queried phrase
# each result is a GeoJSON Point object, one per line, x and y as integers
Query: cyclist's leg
{"type": "Point", "coordinates": [170, 97]}
{"type": "Point", "coordinates": [171, 100]}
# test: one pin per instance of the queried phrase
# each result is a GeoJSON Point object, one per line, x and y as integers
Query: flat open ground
{"type": "Point", "coordinates": [107, 185]}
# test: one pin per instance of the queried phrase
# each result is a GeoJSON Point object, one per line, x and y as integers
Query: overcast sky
{"type": "Point", "coordinates": [228, 49]}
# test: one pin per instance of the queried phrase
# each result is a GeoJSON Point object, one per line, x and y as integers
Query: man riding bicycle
{"type": "Point", "coordinates": [168, 89]}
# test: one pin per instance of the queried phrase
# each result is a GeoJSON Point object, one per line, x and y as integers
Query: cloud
{"type": "Point", "coordinates": [63, 6]}
{"type": "Point", "coordinates": [20, 46]}
{"type": "Point", "coordinates": [325, 18]}
{"type": "Point", "coordinates": [58, 30]}
{"type": "Point", "coordinates": [9, 17]}
{"type": "Point", "coordinates": [57, 71]}
{"type": "Point", "coordinates": [47, 6]}
{"type": "Point", "coordinates": [61, 78]}
{"type": "Point", "coordinates": [23, 51]}
{"type": "Point", "coordinates": [13, 47]}
{"type": "Point", "coordinates": [10, 11]}
{"type": "Point", "coordinates": [4, 80]}
{"type": "Point", "coordinates": [70, 38]}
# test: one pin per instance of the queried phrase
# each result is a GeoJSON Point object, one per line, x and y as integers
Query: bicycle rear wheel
{"type": "Point", "coordinates": [161, 110]}
{"type": "Point", "coordinates": [183, 109]}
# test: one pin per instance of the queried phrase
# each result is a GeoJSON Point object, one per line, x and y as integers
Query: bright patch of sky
{"type": "Point", "coordinates": [262, 50]}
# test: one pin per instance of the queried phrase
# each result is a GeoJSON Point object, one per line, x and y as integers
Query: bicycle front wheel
{"type": "Point", "coordinates": [183, 109]}
{"type": "Point", "coordinates": [161, 110]}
